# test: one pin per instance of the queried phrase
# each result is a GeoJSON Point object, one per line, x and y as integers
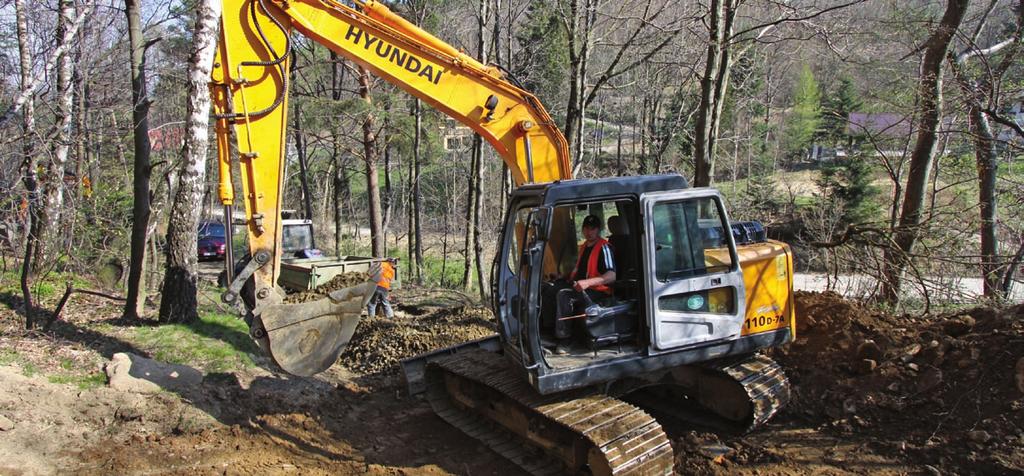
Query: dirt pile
{"type": "Point", "coordinates": [340, 281]}
{"type": "Point", "coordinates": [944, 386]}
{"type": "Point", "coordinates": [379, 343]}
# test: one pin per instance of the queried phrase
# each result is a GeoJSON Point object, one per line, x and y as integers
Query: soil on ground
{"type": "Point", "coordinates": [872, 393]}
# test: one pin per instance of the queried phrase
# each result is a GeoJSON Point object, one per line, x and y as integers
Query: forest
{"type": "Point", "coordinates": [882, 140]}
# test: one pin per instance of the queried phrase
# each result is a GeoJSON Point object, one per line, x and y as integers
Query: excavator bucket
{"type": "Point", "coordinates": [306, 338]}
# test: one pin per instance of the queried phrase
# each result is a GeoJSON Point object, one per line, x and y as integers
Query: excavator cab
{"type": "Point", "coordinates": [679, 294]}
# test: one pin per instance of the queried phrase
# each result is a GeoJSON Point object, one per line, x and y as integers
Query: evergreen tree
{"type": "Point", "coordinates": [804, 117]}
{"type": "Point", "coordinates": [542, 63]}
{"type": "Point", "coordinates": [836, 109]}
{"type": "Point", "coordinates": [849, 182]}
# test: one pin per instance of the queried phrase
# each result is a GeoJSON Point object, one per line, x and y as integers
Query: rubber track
{"type": "Point", "coordinates": [762, 378]}
{"type": "Point", "coordinates": [631, 441]}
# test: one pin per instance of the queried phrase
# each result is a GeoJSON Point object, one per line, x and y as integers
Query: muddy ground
{"type": "Point", "coordinates": [872, 393]}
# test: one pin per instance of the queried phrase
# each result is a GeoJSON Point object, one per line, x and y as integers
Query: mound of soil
{"type": "Point", "coordinates": [944, 386]}
{"type": "Point", "coordinates": [340, 281]}
{"type": "Point", "coordinates": [380, 343]}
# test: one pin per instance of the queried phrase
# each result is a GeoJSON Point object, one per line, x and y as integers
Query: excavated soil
{"type": "Point", "coordinates": [880, 393]}
{"type": "Point", "coordinates": [380, 343]}
{"type": "Point", "coordinates": [872, 394]}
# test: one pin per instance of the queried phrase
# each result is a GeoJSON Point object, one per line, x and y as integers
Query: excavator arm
{"type": "Point", "coordinates": [250, 95]}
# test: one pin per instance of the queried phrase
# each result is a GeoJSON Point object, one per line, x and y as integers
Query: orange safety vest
{"type": "Point", "coordinates": [386, 275]}
{"type": "Point", "coordinates": [595, 254]}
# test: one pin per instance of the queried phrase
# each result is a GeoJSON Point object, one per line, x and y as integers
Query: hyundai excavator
{"type": "Point", "coordinates": [695, 297]}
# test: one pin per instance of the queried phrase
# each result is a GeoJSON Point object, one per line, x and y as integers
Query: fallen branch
{"type": "Point", "coordinates": [58, 313]}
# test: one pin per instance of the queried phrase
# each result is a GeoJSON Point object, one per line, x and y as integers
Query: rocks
{"type": "Point", "coordinates": [6, 424]}
{"type": "Point", "coordinates": [979, 436]}
{"type": "Point", "coordinates": [379, 344]}
{"type": "Point", "coordinates": [865, 366]}
{"type": "Point", "coordinates": [1019, 377]}
{"type": "Point", "coordinates": [132, 373]}
{"type": "Point", "coordinates": [930, 378]}
{"type": "Point", "coordinates": [959, 325]}
{"type": "Point", "coordinates": [910, 352]}
{"type": "Point", "coordinates": [869, 350]}
{"type": "Point", "coordinates": [340, 281]}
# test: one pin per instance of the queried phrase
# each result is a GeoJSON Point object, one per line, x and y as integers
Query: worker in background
{"type": "Point", "coordinates": [381, 295]}
{"type": "Point", "coordinates": [594, 271]}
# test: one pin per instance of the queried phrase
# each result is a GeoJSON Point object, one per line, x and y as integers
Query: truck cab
{"type": "Point", "coordinates": [683, 285]}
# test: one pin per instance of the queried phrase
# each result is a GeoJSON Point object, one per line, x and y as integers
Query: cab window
{"type": "Point", "coordinates": [690, 239]}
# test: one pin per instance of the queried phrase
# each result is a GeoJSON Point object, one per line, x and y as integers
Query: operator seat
{"type": "Point", "coordinates": [615, 319]}
{"type": "Point", "coordinates": [624, 248]}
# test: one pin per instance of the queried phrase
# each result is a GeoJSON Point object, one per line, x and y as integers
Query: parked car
{"type": "Point", "coordinates": [212, 241]}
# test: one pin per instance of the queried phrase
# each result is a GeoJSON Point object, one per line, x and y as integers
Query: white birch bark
{"type": "Point", "coordinates": [179, 297]}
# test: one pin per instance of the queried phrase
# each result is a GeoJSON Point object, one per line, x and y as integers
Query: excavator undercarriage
{"type": "Point", "coordinates": [602, 431]}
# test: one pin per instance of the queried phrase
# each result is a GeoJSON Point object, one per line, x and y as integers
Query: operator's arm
{"type": "Point", "coordinates": [607, 278]}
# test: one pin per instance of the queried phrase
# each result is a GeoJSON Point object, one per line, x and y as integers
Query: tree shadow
{"type": "Point", "coordinates": [353, 424]}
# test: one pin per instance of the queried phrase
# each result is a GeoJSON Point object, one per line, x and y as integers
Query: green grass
{"type": "Point", "coordinates": [215, 343]}
{"type": "Point", "coordinates": [432, 265]}
{"type": "Point", "coordinates": [83, 382]}
{"type": "Point", "coordinates": [8, 357]}
{"type": "Point", "coordinates": [28, 369]}
{"type": "Point", "coordinates": [48, 287]}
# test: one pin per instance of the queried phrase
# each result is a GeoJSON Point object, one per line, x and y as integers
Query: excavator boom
{"type": "Point", "coordinates": [250, 94]}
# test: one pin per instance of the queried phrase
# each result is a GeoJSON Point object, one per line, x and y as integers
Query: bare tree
{"type": "Point", "coordinates": [29, 164]}
{"type": "Point", "coordinates": [370, 159]}
{"type": "Point", "coordinates": [178, 302]}
{"type": "Point", "coordinates": [930, 111]}
{"type": "Point", "coordinates": [140, 119]}
{"type": "Point", "coordinates": [639, 32]}
{"type": "Point", "coordinates": [53, 185]}
{"type": "Point", "coordinates": [980, 94]}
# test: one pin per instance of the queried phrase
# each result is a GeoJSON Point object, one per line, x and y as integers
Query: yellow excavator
{"type": "Point", "coordinates": [694, 296]}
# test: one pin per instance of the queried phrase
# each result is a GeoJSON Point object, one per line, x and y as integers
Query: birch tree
{"type": "Point", "coordinates": [178, 302]}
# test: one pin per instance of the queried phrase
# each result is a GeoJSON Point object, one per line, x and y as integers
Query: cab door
{"type": "Point", "coordinates": [694, 285]}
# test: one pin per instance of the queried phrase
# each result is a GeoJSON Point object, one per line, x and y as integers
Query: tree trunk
{"type": "Point", "coordinates": [29, 164]}
{"type": "Point", "coordinates": [300, 151]}
{"type": "Point", "coordinates": [64, 43]}
{"type": "Point", "coordinates": [178, 303]}
{"type": "Point", "coordinates": [897, 258]}
{"type": "Point", "coordinates": [372, 177]}
{"type": "Point", "coordinates": [478, 247]}
{"type": "Point", "coordinates": [478, 151]}
{"type": "Point", "coordinates": [140, 118]}
{"type": "Point", "coordinates": [573, 114]}
{"type": "Point", "coordinates": [53, 182]}
{"type": "Point", "coordinates": [467, 244]}
{"type": "Point", "coordinates": [340, 198]}
{"type": "Point", "coordinates": [417, 207]}
{"type": "Point", "coordinates": [341, 188]}
{"type": "Point", "coordinates": [713, 86]}
{"type": "Point", "coordinates": [388, 200]}
{"type": "Point", "coordinates": [987, 162]}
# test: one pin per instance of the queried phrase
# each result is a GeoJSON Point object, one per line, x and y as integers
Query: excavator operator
{"type": "Point", "coordinates": [588, 283]}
